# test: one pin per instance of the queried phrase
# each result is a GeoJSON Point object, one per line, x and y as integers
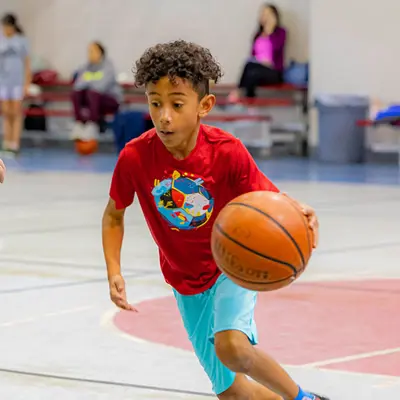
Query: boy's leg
{"type": "Point", "coordinates": [234, 337]}
{"type": "Point", "coordinates": [235, 351]}
{"type": "Point", "coordinates": [244, 389]}
{"type": "Point", "coordinates": [198, 318]}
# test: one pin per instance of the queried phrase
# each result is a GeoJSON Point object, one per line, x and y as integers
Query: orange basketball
{"type": "Point", "coordinates": [86, 147]}
{"type": "Point", "coordinates": [262, 241]}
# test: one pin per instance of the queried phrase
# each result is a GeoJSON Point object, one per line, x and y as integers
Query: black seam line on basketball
{"type": "Point", "coordinates": [304, 223]}
{"type": "Point", "coordinates": [277, 223]}
{"type": "Point", "coordinates": [307, 230]}
{"type": "Point", "coordinates": [256, 252]}
{"type": "Point", "coordinates": [103, 382]}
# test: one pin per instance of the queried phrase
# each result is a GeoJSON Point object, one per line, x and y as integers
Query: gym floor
{"type": "Point", "coordinates": [336, 330]}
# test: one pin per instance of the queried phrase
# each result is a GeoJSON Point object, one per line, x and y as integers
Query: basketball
{"type": "Point", "coordinates": [262, 241]}
{"type": "Point", "coordinates": [86, 147]}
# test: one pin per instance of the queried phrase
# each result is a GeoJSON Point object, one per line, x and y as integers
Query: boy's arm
{"type": "Point", "coordinates": [113, 234]}
{"type": "Point", "coordinates": [246, 177]}
{"type": "Point", "coordinates": [121, 196]}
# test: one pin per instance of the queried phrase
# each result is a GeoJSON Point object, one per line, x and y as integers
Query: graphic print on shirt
{"type": "Point", "coordinates": [183, 201]}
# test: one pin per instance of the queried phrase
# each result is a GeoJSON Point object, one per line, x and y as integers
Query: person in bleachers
{"type": "Point", "coordinates": [266, 64]}
{"type": "Point", "coordinates": [96, 93]}
{"type": "Point", "coordinates": [15, 78]}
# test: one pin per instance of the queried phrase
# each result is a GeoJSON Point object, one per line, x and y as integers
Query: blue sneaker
{"type": "Point", "coordinates": [317, 397]}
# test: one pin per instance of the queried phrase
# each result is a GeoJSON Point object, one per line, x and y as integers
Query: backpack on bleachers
{"type": "Point", "coordinates": [35, 122]}
{"type": "Point", "coordinates": [297, 73]}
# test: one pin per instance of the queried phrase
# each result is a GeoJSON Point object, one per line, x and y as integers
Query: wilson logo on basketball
{"type": "Point", "coordinates": [234, 263]}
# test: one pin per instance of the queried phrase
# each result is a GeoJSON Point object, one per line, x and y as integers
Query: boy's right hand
{"type": "Point", "coordinates": [118, 293]}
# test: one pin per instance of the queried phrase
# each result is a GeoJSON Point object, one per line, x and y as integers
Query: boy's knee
{"type": "Point", "coordinates": [234, 350]}
{"type": "Point", "coordinates": [243, 389]}
{"type": "Point", "coordinates": [232, 394]}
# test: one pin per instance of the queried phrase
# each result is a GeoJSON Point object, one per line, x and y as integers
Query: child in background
{"type": "Point", "coordinates": [15, 78]}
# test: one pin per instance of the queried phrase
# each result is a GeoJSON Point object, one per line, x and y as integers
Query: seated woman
{"type": "Point", "coordinates": [266, 65]}
{"type": "Point", "coordinates": [96, 93]}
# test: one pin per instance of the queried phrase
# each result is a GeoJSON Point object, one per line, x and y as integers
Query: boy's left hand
{"type": "Point", "coordinates": [313, 222]}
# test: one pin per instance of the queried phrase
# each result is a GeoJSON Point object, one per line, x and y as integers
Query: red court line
{"type": "Point", "coordinates": [305, 323]}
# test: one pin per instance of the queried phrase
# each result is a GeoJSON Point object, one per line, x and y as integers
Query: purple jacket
{"type": "Point", "coordinates": [278, 39]}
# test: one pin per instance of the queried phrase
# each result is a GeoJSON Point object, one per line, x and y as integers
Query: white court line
{"type": "Point", "coordinates": [47, 315]}
{"type": "Point", "coordinates": [306, 278]}
{"type": "Point", "coordinates": [388, 381]}
{"type": "Point", "coordinates": [107, 321]}
{"type": "Point", "coordinates": [64, 262]}
{"type": "Point", "coordinates": [351, 358]}
{"type": "Point", "coordinates": [44, 260]}
{"type": "Point", "coordinates": [343, 372]}
{"type": "Point", "coordinates": [70, 311]}
{"type": "Point", "coordinates": [340, 277]}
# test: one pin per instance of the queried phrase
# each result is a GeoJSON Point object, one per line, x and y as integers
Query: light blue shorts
{"type": "Point", "coordinates": [226, 306]}
{"type": "Point", "coordinates": [11, 92]}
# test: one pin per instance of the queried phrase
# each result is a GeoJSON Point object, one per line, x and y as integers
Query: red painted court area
{"type": "Point", "coordinates": [336, 325]}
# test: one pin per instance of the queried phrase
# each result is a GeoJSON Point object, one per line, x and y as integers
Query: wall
{"type": "Point", "coordinates": [22, 8]}
{"type": "Point", "coordinates": [355, 49]}
{"type": "Point", "coordinates": [59, 30]}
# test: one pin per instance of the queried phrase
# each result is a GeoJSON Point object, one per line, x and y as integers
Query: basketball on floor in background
{"type": "Point", "coordinates": [86, 147]}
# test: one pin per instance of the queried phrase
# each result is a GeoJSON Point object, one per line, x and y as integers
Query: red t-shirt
{"type": "Point", "coordinates": [180, 199]}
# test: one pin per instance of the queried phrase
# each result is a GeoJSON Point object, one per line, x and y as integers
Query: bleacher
{"type": "Point", "coordinates": [277, 118]}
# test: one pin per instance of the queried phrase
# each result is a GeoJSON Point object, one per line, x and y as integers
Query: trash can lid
{"type": "Point", "coordinates": [336, 100]}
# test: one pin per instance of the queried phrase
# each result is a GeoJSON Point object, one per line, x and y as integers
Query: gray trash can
{"type": "Point", "coordinates": [341, 140]}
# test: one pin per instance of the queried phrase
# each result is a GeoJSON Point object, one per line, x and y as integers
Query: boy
{"type": "Point", "coordinates": [183, 174]}
{"type": "Point", "coordinates": [2, 171]}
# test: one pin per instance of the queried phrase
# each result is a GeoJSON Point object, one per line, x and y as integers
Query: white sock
{"type": "Point", "coordinates": [13, 146]}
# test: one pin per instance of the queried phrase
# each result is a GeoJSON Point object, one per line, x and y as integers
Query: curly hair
{"type": "Point", "coordinates": [178, 59]}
